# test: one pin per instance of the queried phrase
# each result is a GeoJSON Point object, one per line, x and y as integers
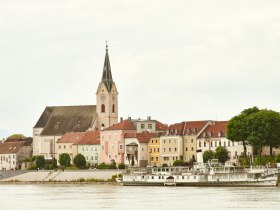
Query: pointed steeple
{"type": "Point", "coordinates": [107, 74]}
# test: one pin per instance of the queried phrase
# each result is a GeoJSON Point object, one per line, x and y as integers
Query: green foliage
{"type": "Point", "coordinates": [121, 166]}
{"type": "Point", "coordinates": [72, 168]}
{"type": "Point", "coordinates": [107, 166]}
{"type": "Point", "coordinates": [64, 159]}
{"type": "Point", "coordinates": [164, 165]}
{"type": "Point", "coordinates": [237, 127]}
{"type": "Point", "coordinates": [178, 163]}
{"type": "Point", "coordinates": [39, 161]}
{"type": "Point", "coordinates": [277, 158]}
{"type": "Point", "coordinates": [113, 165]}
{"type": "Point", "coordinates": [221, 153]}
{"type": "Point", "coordinates": [80, 161]}
{"type": "Point", "coordinates": [16, 136]}
{"type": "Point", "coordinates": [32, 167]}
{"type": "Point", "coordinates": [208, 155]}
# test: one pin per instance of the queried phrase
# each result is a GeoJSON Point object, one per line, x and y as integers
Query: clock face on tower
{"type": "Point", "coordinates": [103, 96]}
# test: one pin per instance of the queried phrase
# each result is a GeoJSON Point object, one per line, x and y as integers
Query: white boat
{"type": "Point", "coordinates": [210, 174]}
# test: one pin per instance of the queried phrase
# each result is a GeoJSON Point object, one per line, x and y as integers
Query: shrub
{"type": "Point", "coordinates": [39, 161]}
{"type": "Point", "coordinates": [64, 159]}
{"type": "Point", "coordinates": [103, 166]}
{"type": "Point", "coordinates": [208, 155]}
{"type": "Point", "coordinates": [80, 161]}
{"type": "Point", "coordinates": [32, 167]}
{"type": "Point", "coordinates": [71, 168]}
{"type": "Point", "coordinates": [121, 166]}
{"type": "Point", "coordinates": [178, 163]}
{"type": "Point", "coordinates": [164, 165]}
{"type": "Point", "coordinates": [277, 158]}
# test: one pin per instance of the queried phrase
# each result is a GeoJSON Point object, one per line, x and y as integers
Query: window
{"type": "Point", "coordinates": [64, 147]}
{"type": "Point", "coordinates": [70, 146]}
{"type": "Point", "coordinates": [91, 148]}
{"type": "Point", "coordinates": [229, 143]}
{"type": "Point", "coordinates": [91, 157]}
{"type": "Point", "coordinates": [175, 149]}
{"type": "Point", "coordinates": [192, 141]}
{"type": "Point", "coordinates": [157, 149]}
{"type": "Point", "coordinates": [156, 141]}
{"type": "Point", "coordinates": [95, 148]}
{"type": "Point", "coordinates": [59, 147]}
{"type": "Point", "coordinates": [224, 143]}
{"type": "Point", "coordinates": [102, 147]}
{"type": "Point", "coordinates": [220, 143]}
{"type": "Point", "coordinates": [87, 157]}
{"type": "Point", "coordinates": [113, 146]}
{"type": "Point", "coordinates": [116, 156]}
{"type": "Point", "coordinates": [103, 108]}
{"type": "Point", "coordinates": [166, 158]}
{"type": "Point", "coordinates": [211, 144]}
{"type": "Point", "coordinates": [142, 149]}
{"type": "Point", "coordinates": [199, 144]}
{"type": "Point", "coordinates": [109, 156]}
{"type": "Point", "coordinates": [164, 149]}
{"type": "Point", "coordinates": [142, 126]}
{"type": "Point", "coordinates": [150, 126]}
{"type": "Point", "coordinates": [164, 141]}
{"type": "Point", "coordinates": [152, 158]}
{"type": "Point", "coordinates": [156, 158]}
{"type": "Point", "coordinates": [169, 141]}
{"type": "Point", "coordinates": [204, 144]}
{"type": "Point", "coordinates": [121, 146]}
{"type": "Point", "coordinates": [154, 149]}
{"type": "Point", "coordinates": [192, 148]}
{"type": "Point", "coordinates": [215, 144]}
{"type": "Point", "coordinates": [169, 149]}
{"type": "Point", "coordinates": [113, 108]}
{"type": "Point", "coordinates": [186, 148]}
{"type": "Point", "coordinates": [152, 141]}
{"type": "Point", "coordinates": [95, 157]}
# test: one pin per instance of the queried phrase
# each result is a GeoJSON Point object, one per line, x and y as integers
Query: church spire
{"type": "Point", "coordinates": [107, 74]}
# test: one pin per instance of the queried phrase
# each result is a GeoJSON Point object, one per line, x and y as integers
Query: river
{"type": "Point", "coordinates": [80, 197]}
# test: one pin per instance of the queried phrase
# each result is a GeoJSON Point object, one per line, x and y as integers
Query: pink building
{"type": "Point", "coordinates": [112, 142]}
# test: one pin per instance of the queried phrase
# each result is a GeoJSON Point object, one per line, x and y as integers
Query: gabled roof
{"type": "Point", "coordinates": [27, 141]}
{"type": "Point", "coordinates": [59, 120]}
{"type": "Point", "coordinates": [11, 147]}
{"type": "Point", "coordinates": [72, 137]}
{"type": "Point", "coordinates": [160, 126]}
{"type": "Point", "coordinates": [194, 127]}
{"type": "Point", "coordinates": [141, 137]}
{"type": "Point", "coordinates": [123, 125]}
{"type": "Point", "coordinates": [90, 138]}
{"type": "Point", "coordinates": [216, 129]}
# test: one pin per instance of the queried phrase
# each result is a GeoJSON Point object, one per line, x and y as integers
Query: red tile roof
{"type": "Point", "coordinates": [160, 126]}
{"type": "Point", "coordinates": [11, 147]}
{"type": "Point", "coordinates": [141, 137]}
{"type": "Point", "coordinates": [194, 127]}
{"type": "Point", "coordinates": [72, 137]}
{"type": "Point", "coordinates": [215, 130]}
{"type": "Point", "coordinates": [91, 137]}
{"type": "Point", "coordinates": [123, 125]}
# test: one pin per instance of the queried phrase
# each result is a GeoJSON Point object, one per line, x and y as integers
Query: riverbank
{"type": "Point", "coordinates": [64, 177]}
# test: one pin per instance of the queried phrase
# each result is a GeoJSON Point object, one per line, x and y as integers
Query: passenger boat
{"type": "Point", "coordinates": [209, 174]}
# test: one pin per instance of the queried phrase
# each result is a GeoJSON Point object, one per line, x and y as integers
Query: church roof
{"type": "Point", "coordinates": [107, 78]}
{"type": "Point", "coordinates": [58, 120]}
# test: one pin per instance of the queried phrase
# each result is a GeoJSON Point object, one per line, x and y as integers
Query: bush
{"type": "Point", "coordinates": [64, 159]}
{"type": "Point", "coordinates": [39, 161]}
{"type": "Point", "coordinates": [221, 153]}
{"type": "Point", "coordinates": [32, 167]}
{"type": "Point", "coordinates": [178, 163]}
{"type": "Point", "coordinates": [71, 168]}
{"type": "Point", "coordinates": [164, 165]}
{"type": "Point", "coordinates": [121, 166]}
{"type": "Point", "coordinates": [103, 166]}
{"type": "Point", "coordinates": [80, 161]}
{"type": "Point", "coordinates": [208, 155]}
{"type": "Point", "coordinates": [277, 158]}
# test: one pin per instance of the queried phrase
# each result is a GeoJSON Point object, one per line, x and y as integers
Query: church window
{"type": "Point", "coordinates": [113, 108]}
{"type": "Point", "coordinates": [102, 108]}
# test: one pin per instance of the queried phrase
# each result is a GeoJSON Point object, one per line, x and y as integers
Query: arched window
{"type": "Point", "coordinates": [113, 108]}
{"type": "Point", "coordinates": [102, 108]}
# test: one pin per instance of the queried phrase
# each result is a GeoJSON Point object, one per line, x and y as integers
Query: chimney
{"type": "Point", "coordinates": [149, 118]}
{"type": "Point", "coordinates": [129, 118]}
{"type": "Point", "coordinates": [121, 119]}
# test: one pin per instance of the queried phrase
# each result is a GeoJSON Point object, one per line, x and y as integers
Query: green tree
{"type": "Point", "coordinates": [121, 166]}
{"type": "Point", "coordinates": [237, 127]}
{"type": "Point", "coordinates": [208, 155]}
{"type": "Point", "coordinates": [80, 161]}
{"type": "Point", "coordinates": [64, 159]}
{"type": "Point", "coordinates": [263, 127]}
{"type": "Point", "coordinates": [178, 163]}
{"type": "Point", "coordinates": [39, 161]}
{"type": "Point", "coordinates": [221, 153]}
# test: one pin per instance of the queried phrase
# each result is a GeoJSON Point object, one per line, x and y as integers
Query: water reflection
{"type": "Point", "coordinates": [31, 197]}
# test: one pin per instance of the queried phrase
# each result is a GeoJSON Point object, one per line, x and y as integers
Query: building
{"type": "Point", "coordinates": [136, 148]}
{"type": "Point", "coordinates": [55, 121]}
{"type": "Point", "coordinates": [214, 135]}
{"type": "Point", "coordinates": [89, 147]}
{"type": "Point", "coordinates": [154, 152]}
{"type": "Point", "coordinates": [14, 153]}
{"type": "Point", "coordinates": [66, 144]}
{"type": "Point", "coordinates": [112, 138]}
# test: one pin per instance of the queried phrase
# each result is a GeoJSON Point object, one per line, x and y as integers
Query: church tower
{"type": "Point", "coordinates": [106, 97]}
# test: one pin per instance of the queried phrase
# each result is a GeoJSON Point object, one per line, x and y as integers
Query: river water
{"type": "Point", "coordinates": [80, 197]}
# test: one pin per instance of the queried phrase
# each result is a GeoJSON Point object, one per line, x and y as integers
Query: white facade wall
{"type": "Point", "coordinates": [8, 161]}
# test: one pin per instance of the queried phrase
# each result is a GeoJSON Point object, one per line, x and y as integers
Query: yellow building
{"type": "Point", "coordinates": [154, 152]}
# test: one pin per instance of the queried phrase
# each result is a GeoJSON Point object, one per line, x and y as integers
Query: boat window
{"type": "Point", "coordinates": [159, 177]}
{"type": "Point", "coordinates": [152, 177]}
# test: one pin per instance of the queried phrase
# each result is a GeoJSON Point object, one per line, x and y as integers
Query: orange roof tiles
{"type": "Point", "coordinates": [216, 129]}
{"type": "Point", "coordinates": [123, 125]}
{"type": "Point", "coordinates": [72, 137]}
{"type": "Point", "coordinates": [91, 137]}
{"type": "Point", "coordinates": [11, 147]}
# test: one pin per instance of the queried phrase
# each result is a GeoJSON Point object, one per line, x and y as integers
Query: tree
{"type": "Point", "coordinates": [264, 129]}
{"type": "Point", "coordinates": [221, 153]}
{"type": "Point", "coordinates": [121, 166]}
{"type": "Point", "coordinates": [237, 127]}
{"type": "Point", "coordinates": [39, 161]}
{"type": "Point", "coordinates": [80, 161]}
{"type": "Point", "coordinates": [64, 159]}
{"type": "Point", "coordinates": [208, 155]}
{"type": "Point", "coordinates": [178, 163]}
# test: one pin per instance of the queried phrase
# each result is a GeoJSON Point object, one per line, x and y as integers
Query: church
{"type": "Point", "coordinates": [55, 121]}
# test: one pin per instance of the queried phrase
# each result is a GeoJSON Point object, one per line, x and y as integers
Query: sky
{"type": "Point", "coordinates": [178, 60]}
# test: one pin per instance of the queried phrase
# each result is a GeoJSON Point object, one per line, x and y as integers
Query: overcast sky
{"type": "Point", "coordinates": [174, 60]}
